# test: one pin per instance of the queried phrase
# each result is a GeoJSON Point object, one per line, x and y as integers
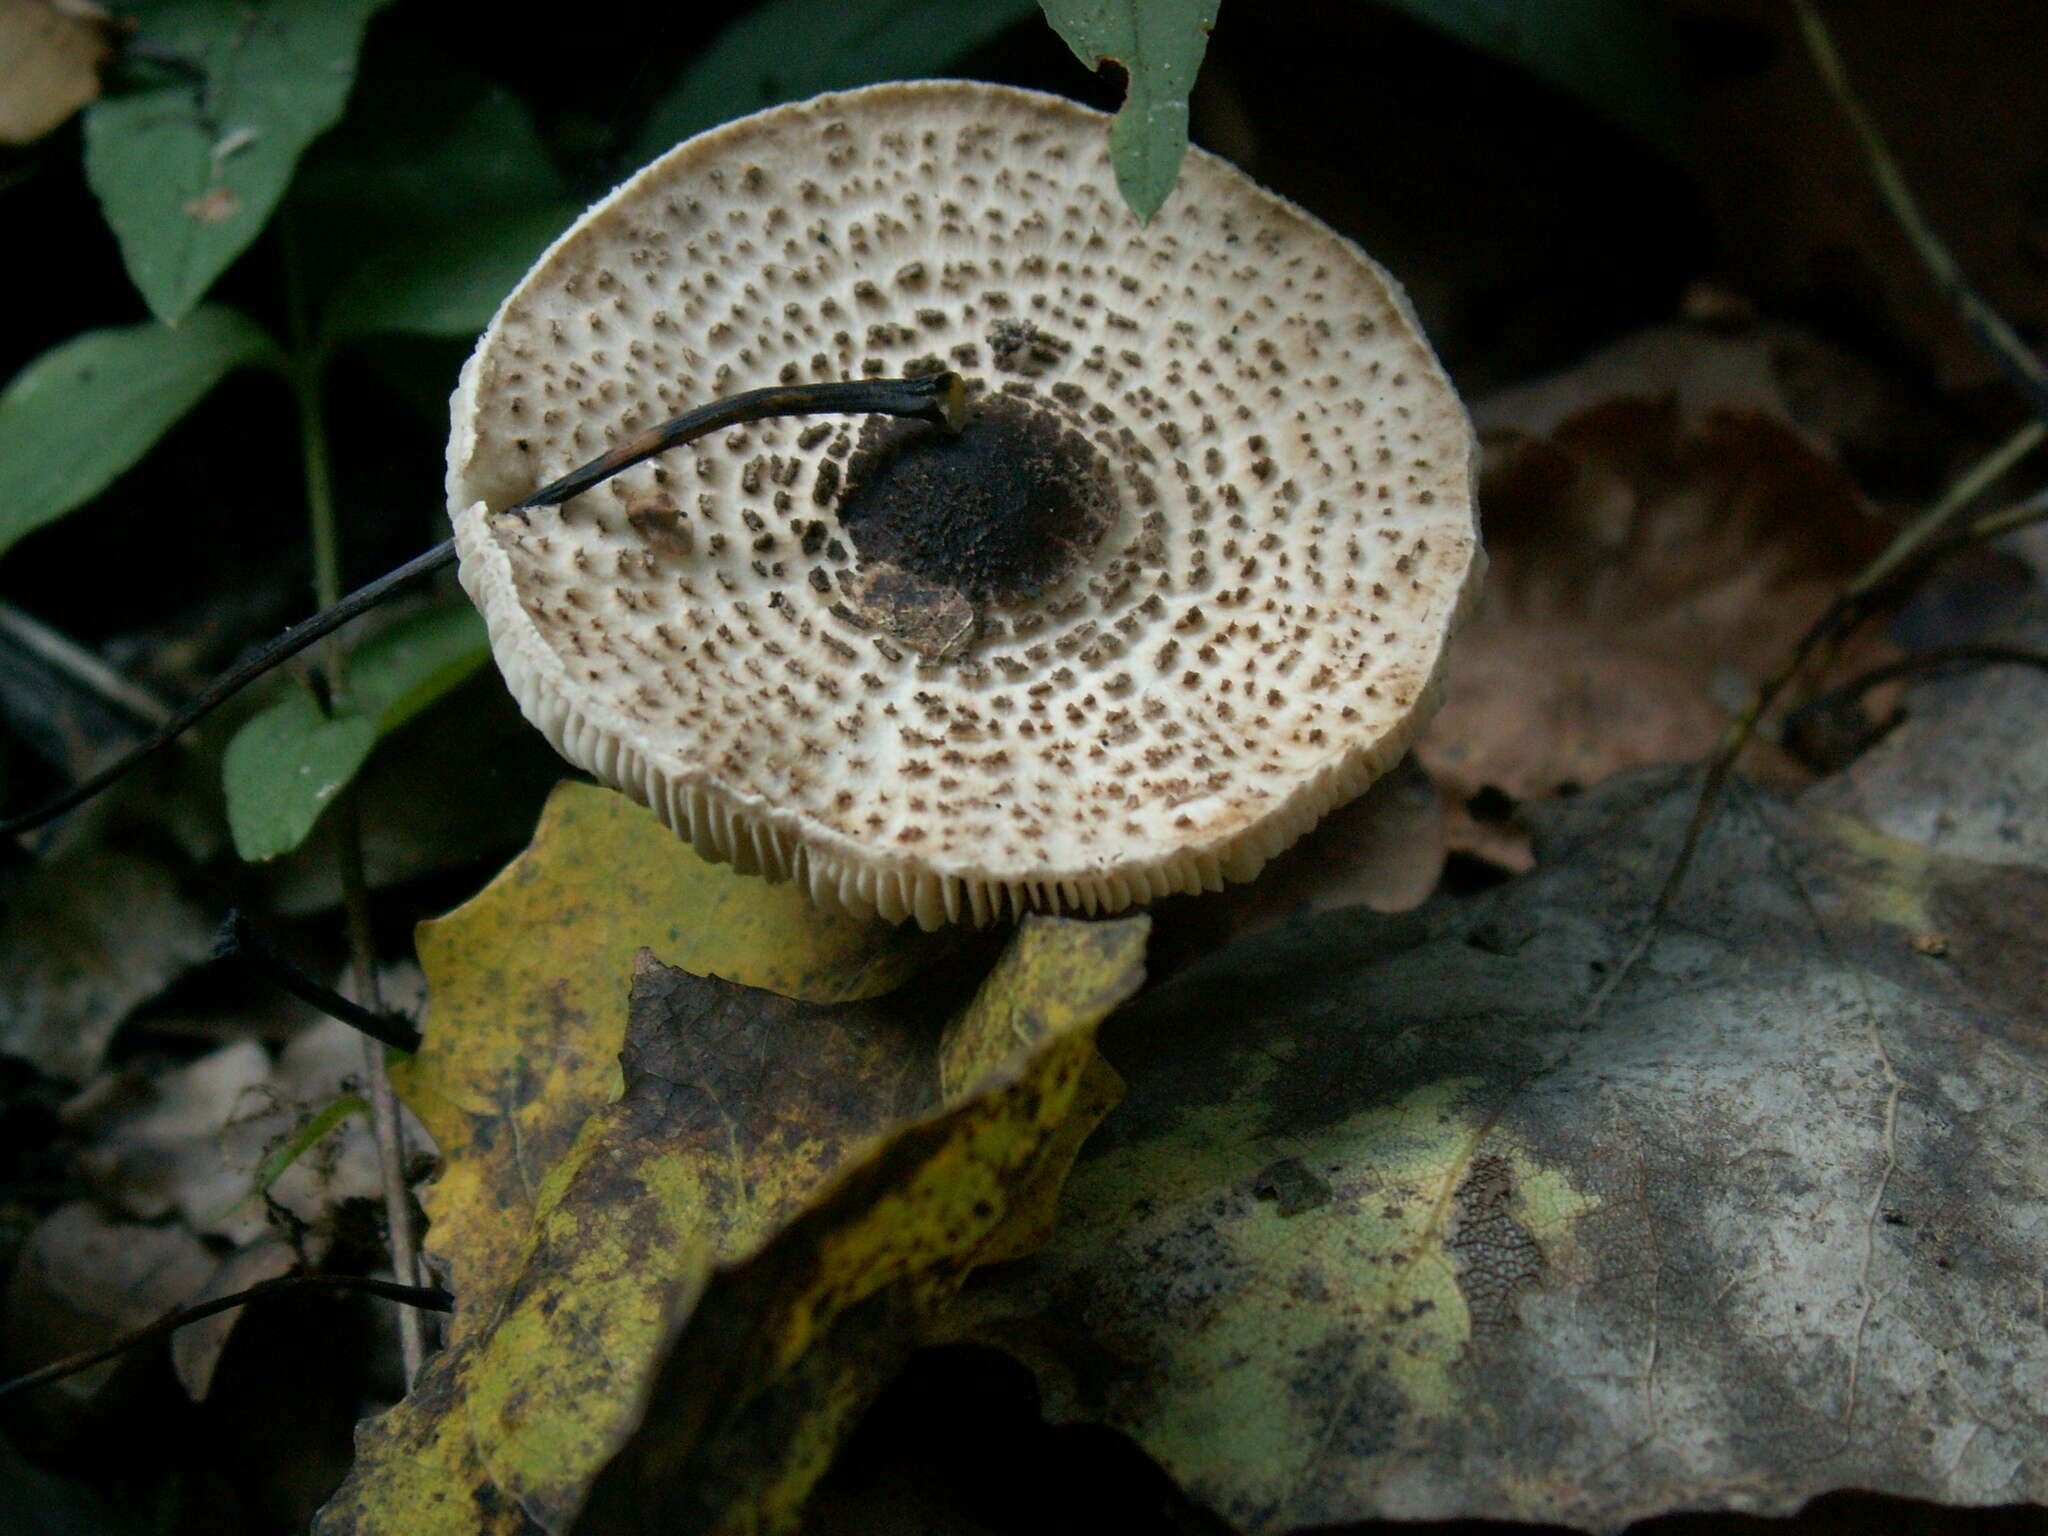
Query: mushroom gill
{"type": "Point", "coordinates": [1182, 583]}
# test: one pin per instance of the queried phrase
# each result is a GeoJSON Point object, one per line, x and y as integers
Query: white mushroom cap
{"type": "Point", "coordinates": [1183, 584]}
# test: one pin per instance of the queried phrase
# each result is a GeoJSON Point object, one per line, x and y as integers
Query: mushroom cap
{"type": "Point", "coordinates": [1183, 584]}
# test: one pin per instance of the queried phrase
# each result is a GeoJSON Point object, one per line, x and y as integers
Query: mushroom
{"type": "Point", "coordinates": [1181, 584]}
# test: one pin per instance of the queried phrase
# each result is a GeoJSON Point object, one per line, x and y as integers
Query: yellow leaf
{"type": "Point", "coordinates": [786, 1347]}
{"type": "Point", "coordinates": [796, 1169]}
{"type": "Point", "coordinates": [528, 984]}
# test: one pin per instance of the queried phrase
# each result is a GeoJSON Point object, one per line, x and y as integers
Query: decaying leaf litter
{"type": "Point", "coordinates": [1528, 1192]}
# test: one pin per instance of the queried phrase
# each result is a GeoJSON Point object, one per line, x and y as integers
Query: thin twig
{"type": "Point", "coordinates": [430, 1298]}
{"type": "Point", "coordinates": [2026, 370]}
{"type": "Point", "coordinates": [1913, 551]}
{"type": "Point", "coordinates": [2033, 509]}
{"type": "Point", "coordinates": [240, 939]}
{"type": "Point", "coordinates": [1917, 548]}
{"type": "Point", "coordinates": [940, 398]}
{"type": "Point", "coordinates": [937, 398]}
{"type": "Point", "coordinates": [231, 682]}
{"type": "Point", "coordinates": [389, 1129]}
{"type": "Point", "coordinates": [1967, 487]}
{"type": "Point", "coordinates": [63, 654]}
{"type": "Point", "coordinates": [1941, 659]}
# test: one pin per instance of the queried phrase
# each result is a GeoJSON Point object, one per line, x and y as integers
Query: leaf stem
{"type": "Point", "coordinates": [308, 365]}
{"type": "Point", "coordinates": [306, 387]}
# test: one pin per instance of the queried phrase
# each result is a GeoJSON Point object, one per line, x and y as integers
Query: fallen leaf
{"type": "Point", "coordinates": [770, 1371]}
{"type": "Point", "coordinates": [196, 1348]}
{"type": "Point", "coordinates": [1828, 396]}
{"type": "Point", "coordinates": [783, 1166]}
{"type": "Point", "coordinates": [315, 1069]}
{"type": "Point", "coordinates": [206, 1149]}
{"type": "Point", "coordinates": [1384, 850]}
{"type": "Point", "coordinates": [83, 942]}
{"type": "Point", "coordinates": [162, 1156]}
{"type": "Point", "coordinates": [1654, 553]}
{"type": "Point", "coordinates": [54, 49]}
{"type": "Point", "coordinates": [1966, 772]}
{"type": "Point", "coordinates": [191, 1142]}
{"type": "Point", "coordinates": [528, 985]}
{"type": "Point", "coordinates": [83, 1280]}
{"type": "Point", "coordinates": [1764, 1225]}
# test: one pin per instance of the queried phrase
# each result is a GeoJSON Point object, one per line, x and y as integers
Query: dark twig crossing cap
{"type": "Point", "coordinates": [1181, 583]}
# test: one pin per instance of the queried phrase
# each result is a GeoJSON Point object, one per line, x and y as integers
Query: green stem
{"type": "Point", "coordinates": [308, 366]}
{"type": "Point", "coordinates": [319, 479]}
{"type": "Point", "coordinates": [306, 369]}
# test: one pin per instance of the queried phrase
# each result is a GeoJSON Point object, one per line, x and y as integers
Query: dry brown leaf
{"type": "Point", "coordinates": [53, 49]}
{"type": "Point", "coordinates": [197, 1347]}
{"type": "Point", "coordinates": [84, 941]}
{"type": "Point", "coordinates": [1654, 554]}
{"type": "Point", "coordinates": [84, 1279]}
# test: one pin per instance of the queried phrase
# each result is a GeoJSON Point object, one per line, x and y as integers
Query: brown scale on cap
{"type": "Point", "coordinates": [1182, 584]}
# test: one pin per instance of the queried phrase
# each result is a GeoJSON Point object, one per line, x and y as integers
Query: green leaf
{"type": "Point", "coordinates": [297, 1145]}
{"type": "Point", "coordinates": [790, 49]}
{"type": "Point", "coordinates": [447, 285]}
{"type": "Point", "coordinates": [189, 168]}
{"type": "Point", "coordinates": [286, 764]}
{"type": "Point", "coordinates": [83, 412]}
{"type": "Point", "coordinates": [1160, 45]}
{"type": "Point", "coordinates": [1620, 57]}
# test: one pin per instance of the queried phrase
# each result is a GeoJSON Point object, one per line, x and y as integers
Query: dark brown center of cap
{"type": "Point", "coordinates": [997, 512]}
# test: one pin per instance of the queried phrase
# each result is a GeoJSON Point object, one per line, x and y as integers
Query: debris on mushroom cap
{"type": "Point", "coordinates": [1182, 584]}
